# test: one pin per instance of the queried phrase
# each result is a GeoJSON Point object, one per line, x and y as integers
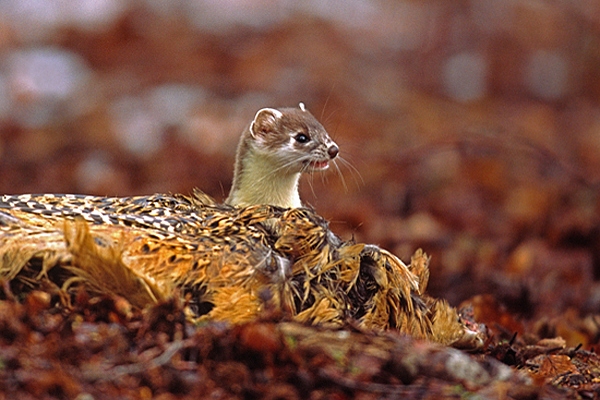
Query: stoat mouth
{"type": "Point", "coordinates": [318, 165]}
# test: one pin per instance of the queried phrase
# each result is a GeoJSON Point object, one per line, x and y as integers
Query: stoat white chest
{"type": "Point", "coordinates": [274, 150]}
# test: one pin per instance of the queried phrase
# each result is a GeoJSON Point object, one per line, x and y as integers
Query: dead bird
{"type": "Point", "coordinates": [224, 259]}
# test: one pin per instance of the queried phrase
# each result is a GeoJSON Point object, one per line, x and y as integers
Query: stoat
{"type": "Point", "coordinates": [274, 150]}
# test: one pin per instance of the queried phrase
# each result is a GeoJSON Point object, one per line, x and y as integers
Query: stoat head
{"type": "Point", "coordinates": [292, 139]}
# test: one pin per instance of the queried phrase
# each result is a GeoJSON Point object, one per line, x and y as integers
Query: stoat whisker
{"type": "Point", "coordinates": [353, 170]}
{"type": "Point", "coordinates": [339, 171]}
{"type": "Point", "coordinates": [287, 166]}
{"type": "Point", "coordinates": [275, 171]}
{"type": "Point", "coordinates": [311, 183]}
{"type": "Point", "coordinates": [311, 179]}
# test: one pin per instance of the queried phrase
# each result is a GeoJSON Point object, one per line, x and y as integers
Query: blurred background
{"type": "Point", "coordinates": [470, 128]}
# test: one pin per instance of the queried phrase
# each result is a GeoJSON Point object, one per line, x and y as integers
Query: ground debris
{"type": "Point", "coordinates": [50, 351]}
{"type": "Point", "coordinates": [102, 346]}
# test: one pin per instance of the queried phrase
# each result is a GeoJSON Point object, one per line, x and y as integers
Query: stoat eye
{"type": "Point", "coordinates": [301, 138]}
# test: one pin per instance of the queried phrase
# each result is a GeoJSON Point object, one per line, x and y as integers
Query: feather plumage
{"type": "Point", "coordinates": [225, 260]}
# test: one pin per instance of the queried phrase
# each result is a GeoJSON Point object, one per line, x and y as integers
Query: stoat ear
{"type": "Point", "coordinates": [265, 121]}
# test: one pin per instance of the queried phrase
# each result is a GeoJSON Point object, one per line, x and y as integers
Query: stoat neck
{"type": "Point", "coordinates": [255, 182]}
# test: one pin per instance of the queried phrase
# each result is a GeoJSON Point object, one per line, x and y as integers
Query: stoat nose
{"type": "Point", "coordinates": [333, 151]}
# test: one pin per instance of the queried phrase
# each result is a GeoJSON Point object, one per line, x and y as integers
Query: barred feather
{"type": "Point", "coordinates": [225, 260]}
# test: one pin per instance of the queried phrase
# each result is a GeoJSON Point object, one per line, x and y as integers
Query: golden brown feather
{"type": "Point", "coordinates": [227, 260]}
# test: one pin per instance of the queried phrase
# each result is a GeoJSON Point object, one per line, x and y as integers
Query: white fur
{"type": "Point", "coordinates": [302, 107]}
{"type": "Point", "coordinates": [259, 185]}
{"type": "Point", "coordinates": [275, 112]}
